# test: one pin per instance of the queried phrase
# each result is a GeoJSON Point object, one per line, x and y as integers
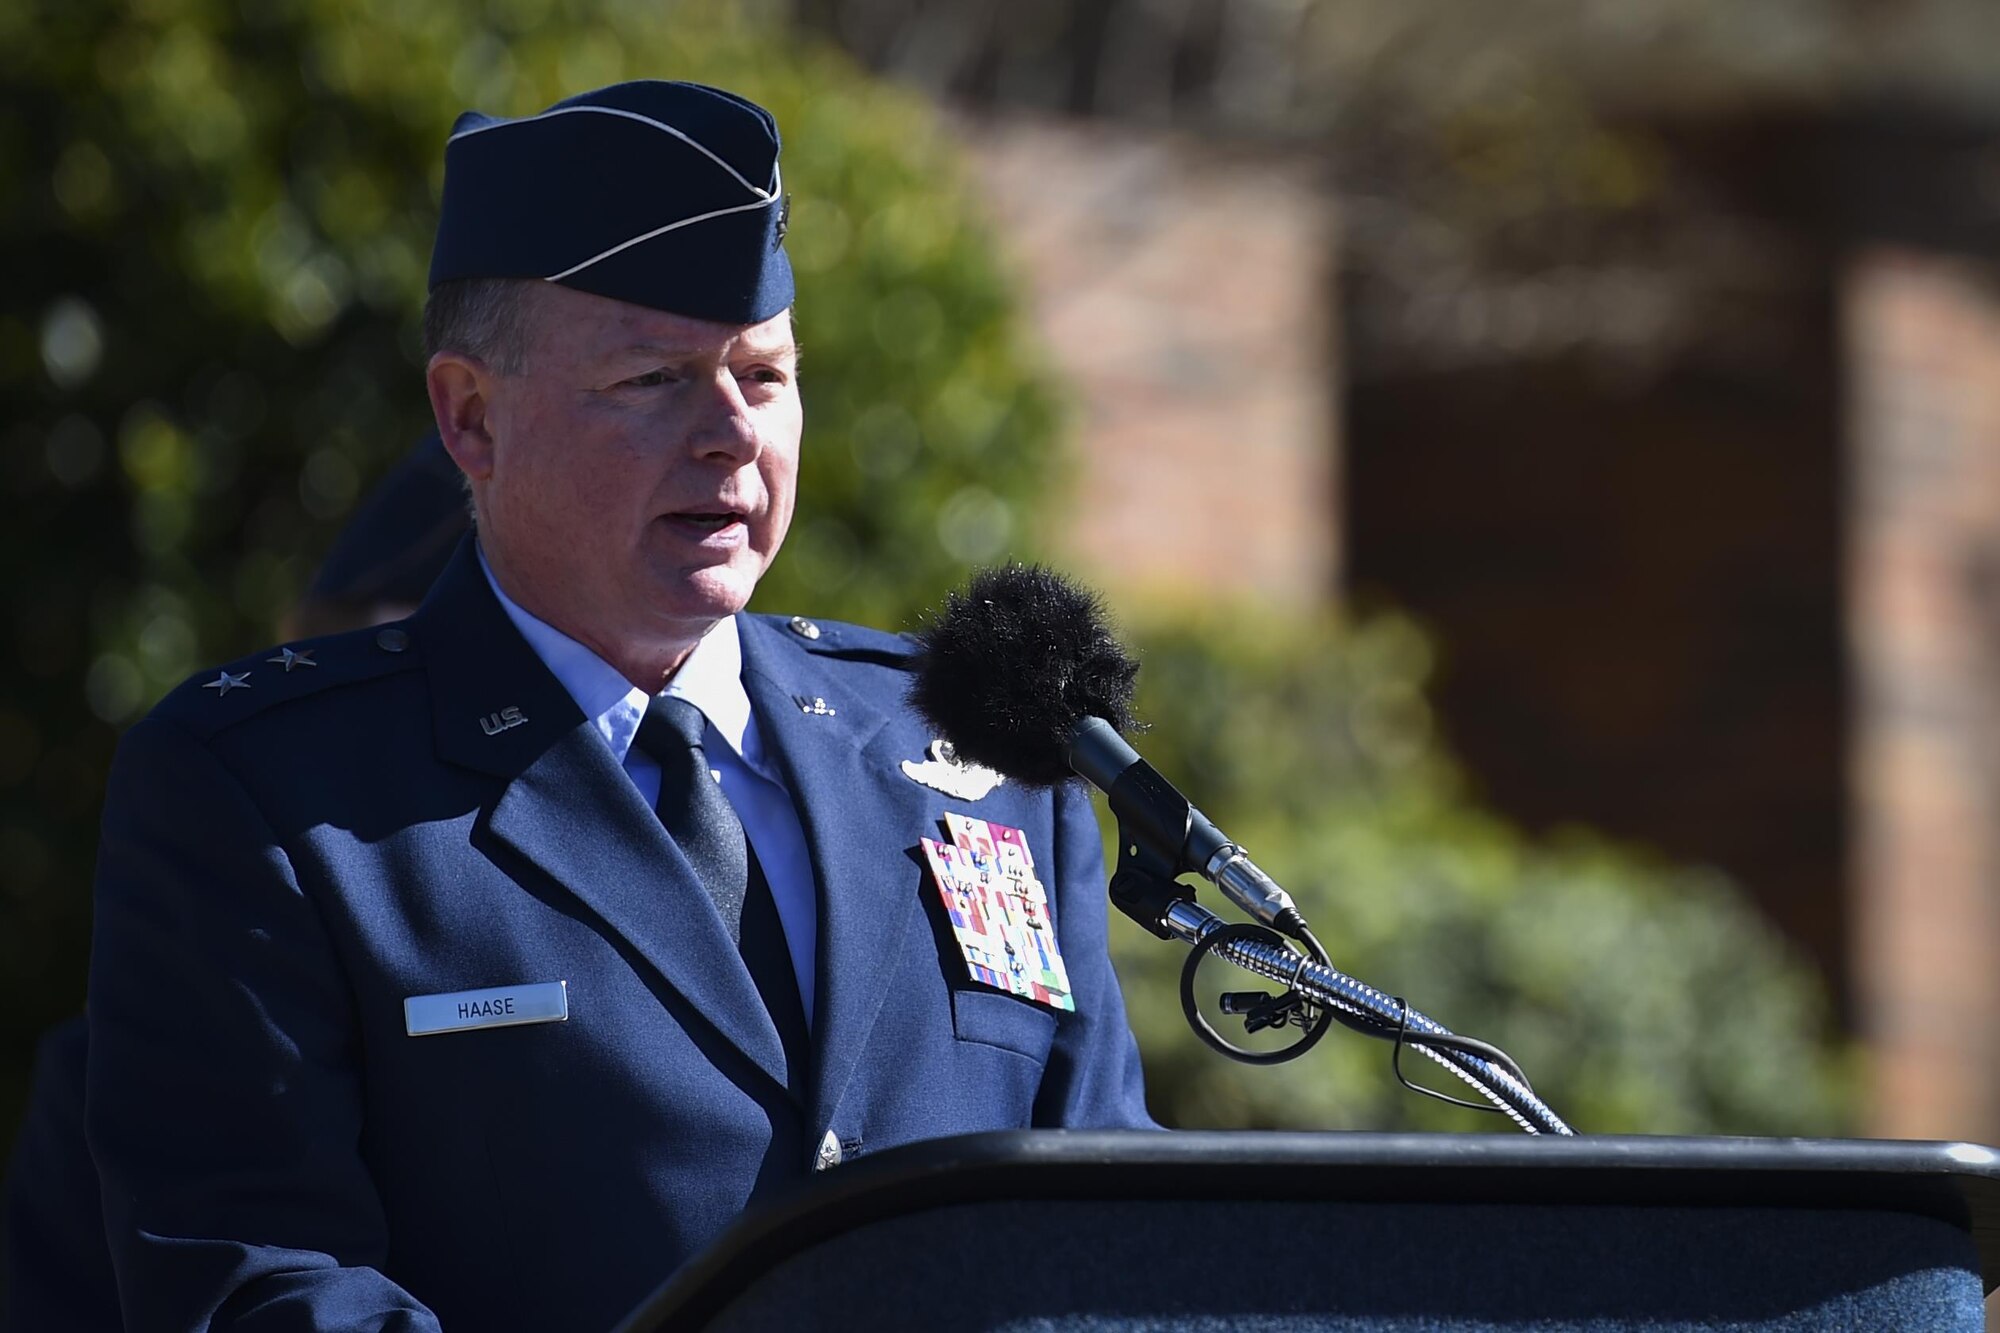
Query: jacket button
{"type": "Point", "coordinates": [804, 628]}
{"type": "Point", "coordinates": [392, 641]}
{"type": "Point", "coordinates": [829, 1152]}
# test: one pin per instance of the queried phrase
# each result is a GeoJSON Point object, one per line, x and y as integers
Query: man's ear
{"type": "Point", "coordinates": [461, 399]}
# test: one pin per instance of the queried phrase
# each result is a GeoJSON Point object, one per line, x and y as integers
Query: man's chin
{"type": "Point", "coordinates": [707, 596]}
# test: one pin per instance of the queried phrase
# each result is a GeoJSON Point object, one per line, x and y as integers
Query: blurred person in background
{"type": "Point", "coordinates": [55, 1270]}
{"type": "Point", "coordinates": [476, 971]}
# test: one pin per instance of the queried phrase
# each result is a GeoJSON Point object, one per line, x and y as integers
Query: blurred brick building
{"type": "Point", "coordinates": [1734, 589]}
{"type": "Point", "coordinates": [1921, 343]}
{"type": "Point", "coordinates": [1703, 507]}
{"type": "Point", "coordinates": [1182, 288]}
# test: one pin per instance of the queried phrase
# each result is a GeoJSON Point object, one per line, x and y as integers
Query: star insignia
{"type": "Point", "coordinates": [289, 658]}
{"type": "Point", "coordinates": [224, 682]}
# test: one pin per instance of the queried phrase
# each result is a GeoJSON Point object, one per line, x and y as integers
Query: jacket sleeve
{"type": "Point", "coordinates": [1093, 1079]}
{"type": "Point", "coordinates": [223, 1104]}
{"type": "Point", "coordinates": [54, 1271]}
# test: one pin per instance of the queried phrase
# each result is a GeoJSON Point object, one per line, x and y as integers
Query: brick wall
{"type": "Point", "coordinates": [1923, 438]}
{"type": "Point", "coordinates": [1181, 289]}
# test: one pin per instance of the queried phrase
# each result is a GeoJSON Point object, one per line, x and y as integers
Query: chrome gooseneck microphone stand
{"type": "Point", "coordinates": [1382, 1015]}
{"type": "Point", "coordinates": [1161, 836]}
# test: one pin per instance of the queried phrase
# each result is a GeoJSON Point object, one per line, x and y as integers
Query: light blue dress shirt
{"type": "Point", "coordinates": [712, 680]}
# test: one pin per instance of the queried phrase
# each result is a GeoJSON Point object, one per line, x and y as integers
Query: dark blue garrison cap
{"type": "Point", "coordinates": [661, 194]}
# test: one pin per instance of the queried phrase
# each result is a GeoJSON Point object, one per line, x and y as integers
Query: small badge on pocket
{"type": "Point", "coordinates": [999, 910]}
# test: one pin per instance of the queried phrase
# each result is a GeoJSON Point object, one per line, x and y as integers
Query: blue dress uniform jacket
{"type": "Point", "coordinates": [284, 862]}
{"type": "Point", "coordinates": [55, 1273]}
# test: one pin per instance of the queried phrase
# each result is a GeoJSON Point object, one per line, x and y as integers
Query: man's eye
{"type": "Point", "coordinates": [650, 379]}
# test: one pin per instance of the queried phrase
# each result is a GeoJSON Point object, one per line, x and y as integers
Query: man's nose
{"type": "Point", "coordinates": [723, 426]}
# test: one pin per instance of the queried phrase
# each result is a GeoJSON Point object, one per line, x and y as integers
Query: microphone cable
{"type": "Point", "coordinates": [1354, 1004]}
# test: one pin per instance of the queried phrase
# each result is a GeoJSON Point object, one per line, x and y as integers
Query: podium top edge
{"type": "Point", "coordinates": [1624, 1152]}
{"type": "Point", "coordinates": [1956, 1183]}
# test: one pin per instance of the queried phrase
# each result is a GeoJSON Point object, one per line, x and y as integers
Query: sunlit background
{"type": "Point", "coordinates": [1545, 453]}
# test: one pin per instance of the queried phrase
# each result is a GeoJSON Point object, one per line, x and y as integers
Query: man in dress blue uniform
{"type": "Point", "coordinates": [475, 971]}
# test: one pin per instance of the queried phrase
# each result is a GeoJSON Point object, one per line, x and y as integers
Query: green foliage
{"type": "Point", "coordinates": [227, 210]}
{"type": "Point", "coordinates": [1640, 997]}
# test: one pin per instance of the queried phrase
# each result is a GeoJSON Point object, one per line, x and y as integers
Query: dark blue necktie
{"type": "Point", "coordinates": [704, 826]}
{"type": "Point", "coordinates": [693, 808]}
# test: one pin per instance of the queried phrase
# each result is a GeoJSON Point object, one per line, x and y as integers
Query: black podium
{"type": "Point", "coordinates": [1394, 1233]}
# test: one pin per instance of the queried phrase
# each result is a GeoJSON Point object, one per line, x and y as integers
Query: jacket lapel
{"type": "Point", "coordinates": [570, 810]}
{"type": "Point", "coordinates": [860, 817]}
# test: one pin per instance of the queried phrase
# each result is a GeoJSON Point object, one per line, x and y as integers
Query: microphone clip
{"type": "Point", "coordinates": [1143, 886]}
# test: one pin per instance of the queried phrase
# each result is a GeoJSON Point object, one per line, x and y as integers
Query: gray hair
{"type": "Point", "coordinates": [489, 318]}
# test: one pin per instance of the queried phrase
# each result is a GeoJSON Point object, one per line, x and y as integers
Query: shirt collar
{"type": "Point", "coordinates": [711, 678]}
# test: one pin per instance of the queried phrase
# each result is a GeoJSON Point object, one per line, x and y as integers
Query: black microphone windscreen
{"type": "Point", "coordinates": [1010, 667]}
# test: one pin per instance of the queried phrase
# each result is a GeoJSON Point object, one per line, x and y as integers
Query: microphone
{"type": "Point", "coordinates": [1022, 674]}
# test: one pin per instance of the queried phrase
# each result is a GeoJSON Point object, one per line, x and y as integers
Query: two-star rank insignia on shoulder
{"type": "Point", "coordinates": [284, 675]}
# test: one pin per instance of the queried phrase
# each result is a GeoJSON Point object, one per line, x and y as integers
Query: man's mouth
{"type": "Point", "coordinates": [710, 526]}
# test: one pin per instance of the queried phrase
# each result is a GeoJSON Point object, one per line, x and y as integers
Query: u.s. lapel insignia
{"type": "Point", "coordinates": [504, 720]}
{"type": "Point", "coordinates": [944, 771]}
{"type": "Point", "coordinates": [814, 706]}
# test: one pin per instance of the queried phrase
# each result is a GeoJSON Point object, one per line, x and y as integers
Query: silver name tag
{"type": "Point", "coordinates": [494, 1007]}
